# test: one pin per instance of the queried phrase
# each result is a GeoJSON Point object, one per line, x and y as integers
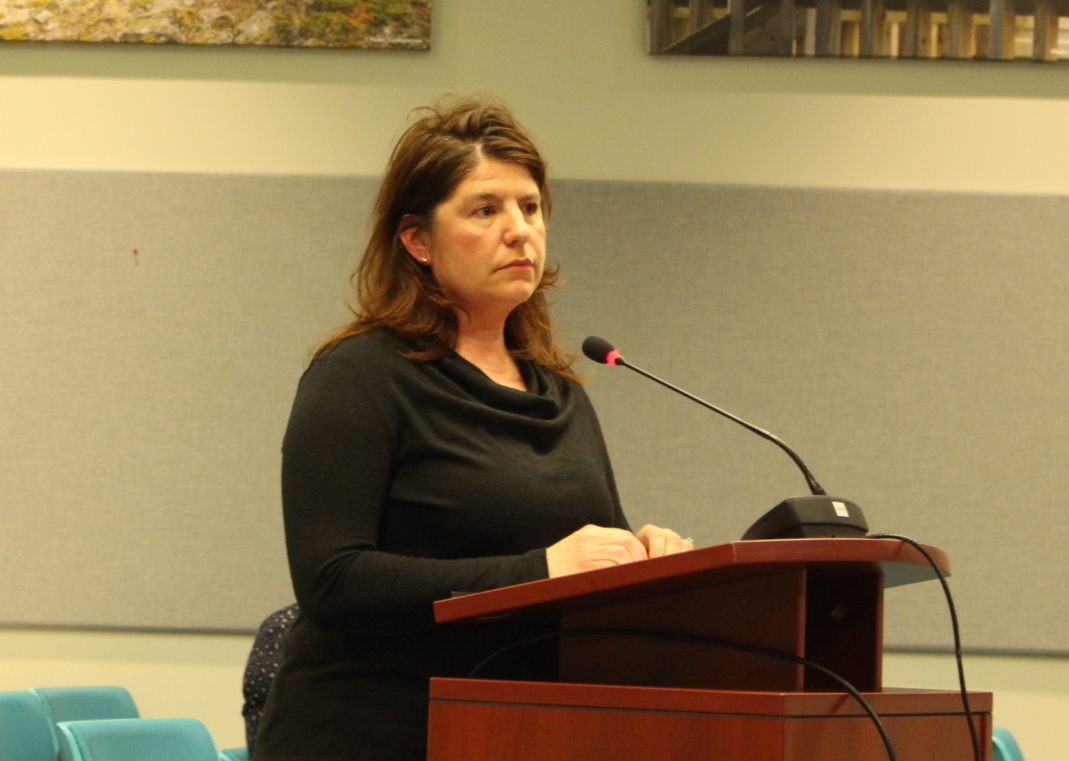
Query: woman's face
{"type": "Point", "coordinates": [487, 243]}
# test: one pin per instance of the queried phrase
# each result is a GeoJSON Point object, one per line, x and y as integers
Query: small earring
{"type": "Point", "coordinates": [424, 260]}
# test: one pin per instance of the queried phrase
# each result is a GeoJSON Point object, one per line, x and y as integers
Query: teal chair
{"type": "Point", "coordinates": [25, 730]}
{"type": "Point", "coordinates": [139, 740]}
{"type": "Point", "coordinates": [234, 754]}
{"type": "Point", "coordinates": [86, 703]}
{"type": "Point", "coordinates": [1004, 746]}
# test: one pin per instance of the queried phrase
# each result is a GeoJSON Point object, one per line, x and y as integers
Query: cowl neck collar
{"type": "Point", "coordinates": [541, 399]}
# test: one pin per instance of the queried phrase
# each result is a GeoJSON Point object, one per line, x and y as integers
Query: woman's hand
{"type": "Point", "coordinates": [593, 547]}
{"type": "Point", "coordinates": [662, 541]}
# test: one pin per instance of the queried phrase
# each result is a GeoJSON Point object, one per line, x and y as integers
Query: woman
{"type": "Point", "coordinates": [438, 444]}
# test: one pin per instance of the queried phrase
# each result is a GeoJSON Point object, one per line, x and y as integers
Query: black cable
{"type": "Point", "coordinates": [694, 640]}
{"type": "Point", "coordinates": [957, 635]}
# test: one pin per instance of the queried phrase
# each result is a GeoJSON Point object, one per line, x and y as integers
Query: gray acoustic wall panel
{"type": "Point", "coordinates": [144, 396]}
{"type": "Point", "coordinates": [911, 346]}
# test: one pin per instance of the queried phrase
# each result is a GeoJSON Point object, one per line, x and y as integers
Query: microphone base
{"type": "Point", "coordinates": [813, 517]}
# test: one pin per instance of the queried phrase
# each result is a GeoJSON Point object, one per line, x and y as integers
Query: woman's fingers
{"type": "Point", "coordinates": [593, 547]}
{"type": "Point", "coordinates": [662, 541]}
{"type": "Point", "coordinates": [615, 540]}
{"type": "Point", "coordinates": [656, 542]}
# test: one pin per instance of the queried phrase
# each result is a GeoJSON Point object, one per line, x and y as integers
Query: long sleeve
{"type": "Point", "coordinates": [404, 482]}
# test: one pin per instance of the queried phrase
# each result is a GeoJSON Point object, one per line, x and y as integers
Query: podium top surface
{"type": "Point", "coordinates": [898, 562]}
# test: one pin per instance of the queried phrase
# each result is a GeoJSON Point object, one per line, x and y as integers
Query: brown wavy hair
{"type": "Point", "coordinates": [441, 146]}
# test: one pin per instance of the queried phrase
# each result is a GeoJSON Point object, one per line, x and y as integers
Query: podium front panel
{"type": "Point", "coordinates": [473, 720]}
{"type": "Point", "coordinates": [765, 611]}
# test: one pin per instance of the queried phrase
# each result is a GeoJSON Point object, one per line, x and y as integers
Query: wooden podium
{"type": "Point", "coordinates": [639, 699]}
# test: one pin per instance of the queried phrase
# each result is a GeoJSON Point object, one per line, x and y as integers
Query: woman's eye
{"type": "Point", "coordinates": [531, 208]}
{"type": "Point", "coordinates": [484, 211]}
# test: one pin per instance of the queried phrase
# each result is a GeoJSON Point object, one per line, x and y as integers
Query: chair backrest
{"type": "Point", "coordinates": [26, 732]}
{"type": "Point", "coordinates": [87, 703]}
{"type": "Point", "coordinates": [139, 740]}
{"type": "Point", "coordinates": [1004, 746]}
{"type": "Point", "coordinates": [262, 666]}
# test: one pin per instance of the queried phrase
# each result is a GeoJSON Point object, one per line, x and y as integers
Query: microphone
{"type": "Point", "coordinates": [600, 350]}
{"type": "Point", "coordinates": [815, 516]}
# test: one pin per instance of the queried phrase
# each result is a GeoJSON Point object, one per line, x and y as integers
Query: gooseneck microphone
{"type": "Point", "coordinates": [815, 516]}
{"type": "Point", "coordinates": [600, 350]}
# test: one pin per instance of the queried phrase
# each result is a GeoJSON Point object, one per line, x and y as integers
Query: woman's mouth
{"type": "Point", "coordinates": [521, 263]}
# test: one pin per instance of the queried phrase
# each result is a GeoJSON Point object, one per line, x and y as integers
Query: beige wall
{"type": "Point", "coordinates": [602, 109]}
{"type": "Point", "coordinates": [577, 73]}
{"type": "Point", "coordinates": [169, 675]}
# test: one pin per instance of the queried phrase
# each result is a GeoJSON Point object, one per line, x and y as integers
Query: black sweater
{"type": "Point", "coordinates": [403, 482]}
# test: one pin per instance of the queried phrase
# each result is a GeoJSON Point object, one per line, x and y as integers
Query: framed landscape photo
{"type": "Point", "coordinates": [992, 30]}
{"type": "Point", "coordinates": [375, 24]}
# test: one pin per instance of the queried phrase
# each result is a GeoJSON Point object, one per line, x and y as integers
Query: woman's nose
{"type": "Point", "coordinates": [519, 227]}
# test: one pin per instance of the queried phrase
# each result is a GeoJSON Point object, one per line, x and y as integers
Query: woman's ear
{"type": "Point", "coordinates": [414, 239]}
